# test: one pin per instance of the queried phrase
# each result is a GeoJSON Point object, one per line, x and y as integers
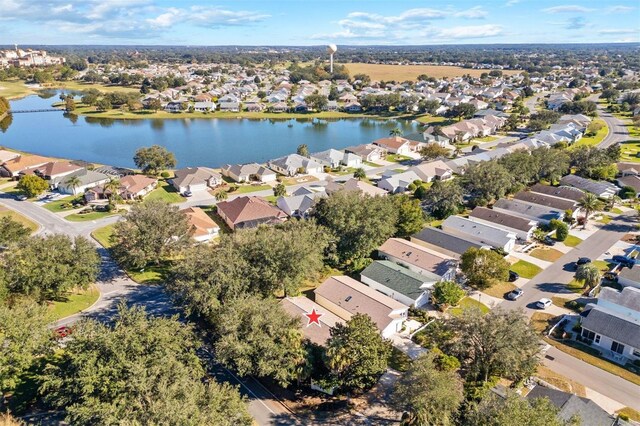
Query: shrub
{"type": "Point", "coordinates": [562, 232]}
{"type": "Point", "coordinates": [627, 193]}
{"type": "Point", "coordinates": [165, 175]}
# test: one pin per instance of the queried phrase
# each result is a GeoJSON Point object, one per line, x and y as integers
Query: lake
{"type": "Point", "coordinates": [195, 142]}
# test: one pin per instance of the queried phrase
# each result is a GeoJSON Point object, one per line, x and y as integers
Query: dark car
{"type": "Point", "coordinates": [513, 276]}
{"type": "Point", "coordinates": [515, 294]}
{"type": "Point", "coordinates": [583, 261]}
{"type": "Point", "coordinates": [549, 241]}
{"type": "Point", "coordinates": [623, 260]}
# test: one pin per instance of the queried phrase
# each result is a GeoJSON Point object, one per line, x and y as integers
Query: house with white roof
{"type": "Point", "coordinates": [480, 232]}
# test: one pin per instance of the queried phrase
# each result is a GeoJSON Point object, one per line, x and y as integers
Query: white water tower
{"type": "Point", "coordinates": [331, 49]}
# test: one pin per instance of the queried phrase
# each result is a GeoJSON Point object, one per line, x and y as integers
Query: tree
{"type": "Point", "coordinates": [303, 150]}
{"type": "Point", "coordinates": [103, 104]}
{"type": "Point", "coordinates": [463, 110]}
{"type": "Point", "coordinates": [257, 337]}
{"type": "Point", "coordinates": [154, 159]}
{"type": "Point", "coordinates": [316, 102]}
{"type": "Point", "coordinates": [514, 410]}
{"type": "Point", "coordinates": [627, 193]}
{"type": "Point", "coordinates": [69, 104]}
{"type": "Point", "coordinates": [447, 293]}
{"type": "Point", "coordinates": [25, 337]}
{"type": "Point", "coordinates": [148, 373]}
{"type": "Point", "coordinates": [410, 215]}
{"type": "Point", "coordinates": [396, 131]}
{"type": "Point", "coordinates": [112, 189]}
{"type": "Point", "coordinates": [221, 194]}
{"type": "Point", "coordinates": [154, 104]}
{"type": "Point", "coordinates": [589, 274]}
{"type": "Point", "coordinates": [358, 222]}
{"type": "Point", "coordinates": [432, 151]}
{"type": "Point", "coordinates": [4, 105]}
{"type": "Point", "coordinates": [487, 181]}
{"type": "Point", "coordinates": [73, 182]}
{"type": "Point", "coordinates": [90, 99]}
{"type": "Point", "coordinates": [443, 198]}
{"type": "Point", "coordinates": [483, 267]}
{"type": "Point", "coordinates": [149, 232]}
{"type": "Point", "coordinates": [32, 185]}
{"type": "Point", "coordinates": [47, 267]}
{"type": "Point", "coordinates": [497, 344]}
{"type": "Point", "coordinates": [611, 95]}
{"type": "Point", "coordinates": [356, 353]}
{"type": "Point", "coordinates": [562, 231]}
{"type": "Point", "coordinates": [429, 395]}
{"type": "Point", "coordinates": [12, 232]}
{"type": "Point", "coordinates": [552, 164]}
{"type": "Point", "coordinates": [359, 173]}
{"type": "Point", "coordinates": [589, 204]}
{"type": "Point", "coordinates": [280, 190]}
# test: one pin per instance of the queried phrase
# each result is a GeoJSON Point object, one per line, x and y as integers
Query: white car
{"type": "Point", "coordinates": [543, 303]}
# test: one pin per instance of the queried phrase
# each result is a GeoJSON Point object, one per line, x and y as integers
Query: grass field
{"type": "Point", "coordinates": [247, 189]}
{"type": "Point", "coordinates": [103, 234]}
{"type": "Point", "coordinates": [411, 72]}
{"type": "Point", "coordinates": [76, 217]}
{"type": "Point", "coordinates": [435, 120]}
{"type": "Point", "coordinates": [165, 192]}
{"type": "Point", "coordinates": [559, 381]}
{"type": "Point", "coordinates": [540, 321]}
{"type": "Point", "coordinates": [547, 254]}
{"type": "Point", "coordinates": [5, 212]}
{"type": "Point", "coordinates": [56, 206]}
{"type": "Point", "coordinates": [396, 158]}
{"type": "Point", "coordinates": [629, 413]}
{"type": "Point", "coordinates": [594, 140]}
{"type": "Point", "coordinates": [499, 289]}
{"type": "Point", "coordinates": [14, 89]}
{"type": "Point", "coordinates": [526, 269]}
{"type": "Point", "coordinates": [572, 241]}
{"type": "Point", "coordinates": [631, 147]}
{"type": "Point", "coordinates": [468, 303]}
{"type": "Point", "coordinates": [74, 303]}
{"type": "Point", "coordinates": [576, 286]}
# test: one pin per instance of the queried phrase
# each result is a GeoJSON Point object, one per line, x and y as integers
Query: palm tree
{"type": "Point", "coordinates": [359, 173]}
{"type": "Point", "coordinates": [73, 182]}
{"type": "Point", "coordinates": [589, 274]}
{"type": "Point", "coordinates": [589, 203]}
{"type": "Point", "coordinates": [112, 188]}
{"type": "Point", "coordinates": [396, 132]}
{"type": "Point", "coordinates": [613, 201]}
{"type": "Point", "coordinates": [221, 195]}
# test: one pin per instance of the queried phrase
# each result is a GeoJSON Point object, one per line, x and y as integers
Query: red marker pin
{"type": "Point", "coordinates": [314, 317]}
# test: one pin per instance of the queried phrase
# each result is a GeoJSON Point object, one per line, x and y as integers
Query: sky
{"type": "Point", "coordinates": [317, 22]}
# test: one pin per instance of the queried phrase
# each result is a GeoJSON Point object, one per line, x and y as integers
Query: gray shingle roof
{"type": "Point", "coordinates": [566, 192]}
{"type": "Point", "coordinates": [621, 328]}
{"type": "Point", "coordinates": [398, 278]}
{"type": "Point", "coordinates": [596, 187]}
{"type": "Point", "coordinates": [629, 297]}
{"type": "Point", "coordinates": [569, 404]}
{"type": "Point", "coordinates": [448, 242]}
{"type": "Point", "coordinates": [502, 219]}
{"type": "Point", "coordinates": [530, 210]}
{"type": "Point", "coordinates": [545, 200]}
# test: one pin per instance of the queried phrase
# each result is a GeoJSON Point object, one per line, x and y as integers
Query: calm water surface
{"type": "Point", "coordinates": [195, 142]}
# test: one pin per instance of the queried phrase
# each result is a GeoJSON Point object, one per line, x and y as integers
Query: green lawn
{"type": "Point", "coordinates": [572, 241]}
{"type": "Point", "coordinates": [486, 139]}
{"type": "Point", "coordinates": [296, 180]}
{"type": "Point", "coordinates": [526, 269]}
{"type": "Point", "coordinates": [103, 235]}
{"type": "Point", "coordinates": [246, 189]}
{"type": "Point", "coordinates": [211, 212]}
{"type": "Point", "coordinates": [468, 303]}
{"type": "Point", "coordinates": [547, 254]}
{"type": "Point", "coordinates": [165, 192]}
{"type": "Point", "coordinates": [499, 289]}
{"type": "Point", "coordinates": [631, 148]}
{"type": "Point", "coordinates": [395, 158]}
{"type": "Point", "coordinates": [13, 89]}
{"type": "Point", "coordinates": [5, 212]}
{"type": "Point", "coordinates": [435, 120]}
{"type": "Point", "coordinates": [576, 286]}
{"type": "Point", "coordinates": [57, 205]}
{"type": "Point", "coordinates": [370, 164]}
{"type": "Point", "coordinates": [594, 140]}
{"type": "Point", "coordinates": [77, 217]}
{"type": "Point", "coordinates": [74, 303]}
{"type": "Point", "coordinates": [604, 219]}
{"type": "Point", "coordinates": [603, 265]}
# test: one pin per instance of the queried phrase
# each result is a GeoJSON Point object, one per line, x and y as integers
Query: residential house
{"type": "Point", "coordinates": [202, 227]}
{"type": "Point", "coordinates": [55, 171]}
{"type": "Point", "coordinates": [334, 158]}
{"type": "Point", "coordinates": [613, 324]}
{"type": "Point", "coordinates": [22, 164]}
{"type": "Point", "coordinates": [352, 107]}
{"type": "Point", "coordinates": [528, 210]}
{"type": "Point", "coordinates": [346, 297]}
{"type": "Point", "coordinates": [204, 106]}
{"type": "Point", "coordinates": [630, 181]}
{"type": "Point", "coordinates": [433, 170]}
{"type": "Point", "coordinates": [562, 192]}
{"type": "Point", "coordinates": [7, 155]}
{"type": "Point", "coordinates": [418, 258]}
{"type": "Point", "coordinates": [354, 184]}
{"type": "Point", "coordinates": [298, 205]}
{"type": "Point", "coordinates": [395, 145]}
{"type": "Point", "coordinates": [571, 406]}
{"type": "Point", "coordinates": [480, 232]}
{"type": "Point", "coordinates": [521, 227]}
{"type": "Point", "coordinates": [279, 107]}
{"type": "Point", "coordinates": [368, 152]}
{"type": "Point", "coordinates": [399, 283]}
{"type": "Point", "coordinates": [86, 179]}
{"type": "Point", "coordinates": [136, 186]}
{"type": "Point", "coordinates": [332, 106]}
{"type": "Point", "coordinates": [294, 164]}
{"type": "Point", "coordinates": [175, 106]}
{"type": "Point", "coordinates": [629, 277]}
{"type": "Point", "coordinates": [229, 106]}
{"type": "Point", "coordinates": [626, 169]}
{"type": "Point", "coordinates": [249, 212]}
{"type": "Point", "coordinates": [442, 242]}
{"type": "Point", "coordinates": [601, 189]}
{"type": "Point", "coordinates": [248, 172]}
{"type": "Point", "coordinates": [546, 200]}
{"type": "Point", "coordinates": [195, 179]}
{"type": "Point", "coordinates": [397, 182]}
{"type": "Point", "coordinates": [317, 334]}
{"type": "Point", "coordinates": [441, 140]}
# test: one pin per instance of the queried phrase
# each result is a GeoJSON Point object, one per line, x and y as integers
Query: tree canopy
{"type": "Point", "coordinates": [154, 159]}
{"type": "Point", "coordinates": [32, 185]}
{"type": "Point", "coordinates": [515, 411]}
{"type": "Point", "coordinates": [483, 267]}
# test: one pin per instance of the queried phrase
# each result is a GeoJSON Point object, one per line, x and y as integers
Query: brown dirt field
{"type": "Point", "coordinates": [410, 72]}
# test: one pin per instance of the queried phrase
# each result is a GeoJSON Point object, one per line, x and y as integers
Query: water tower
{"type": "Point", "coordinates": [331, 49]}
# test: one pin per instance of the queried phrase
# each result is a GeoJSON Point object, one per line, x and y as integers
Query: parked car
{"type": "Point", "coordinates": [548, 241]}
{"type": "Point", "coordinates": [62, 332]}
{"type": "Point", "coordinates": [515, 294]}
{"type": "Point", "coordinates": [187, 193]}
{"type": "Point", "coordinates": [513, 276]}
{"type": "Point", "coordinates": [22, 197]}
{"type": "Point", "coordinates": [623, 260]}
{"type": "Point", "coordinates": [583, 261]}
{"type": "Point", "coordinates": [543, 303]}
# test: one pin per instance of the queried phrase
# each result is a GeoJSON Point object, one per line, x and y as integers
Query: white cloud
{"type": "Point", "coordinates": [619, 31]}
{"type": "Point", "coordinates": [474, 13]}
{"type": "Point", "coordinates": [576, 23]}
{"type": "Point", "coordinates": [570, 8]}
{"type": "Point", "coordinates": [620, 9]}
{"type": "Point", "coordinates": [167, 19]}
{"type": "Point", "coordinates": [473, 31]}
{"type": "Point", "coordinates": [511, 2]}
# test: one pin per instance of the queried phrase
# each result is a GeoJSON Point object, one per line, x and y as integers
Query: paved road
{"type": "Point", "coordinates": [552, 282]}
{"type": "Point", "coordinates": [618, 132]}
{"type": "Point", "coordinates": [115, 286]}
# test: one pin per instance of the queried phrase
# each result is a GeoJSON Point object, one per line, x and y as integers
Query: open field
{"type": "Point", "coordinates": [5, 212]}
{"type": "Point", "coordinates": [594, 140]}
{"type": "Point", "coordinates": [14, 89]}
{"type": "Point", "coordinates": [411, 72]}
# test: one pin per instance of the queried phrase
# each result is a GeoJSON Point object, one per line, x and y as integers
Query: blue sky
{"type": "Point", "coordinates": [314, 22]}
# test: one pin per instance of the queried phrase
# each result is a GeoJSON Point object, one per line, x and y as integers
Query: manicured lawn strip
{"type": "Point", "coordinates": [499, 289]}
{"type": "Point", "coordinates": [370, 164]}
{"type": "Point", "coordinates": [526, 269]}
{"type": "Point", "coordinates": [603, 265]}
{"type": "Point", "coordinates": [399, 360]}
{"type": "Point", "coordinates": [594, 140]}
{"type": "Point", "coordinates": [396, 158]}
{"type": "Point", "coordinates": [76, 217]}
{"type": "Point", "coordinates": [297, 180]}
{"type": "Point", "coordinates": [562, 302]}
{"type": "Point", "coordinates": [547, 254]}
{"type": "Point", "coordinates": [56, 206]}
{"type": "Point", "coordinates": [74, 303]}
{"type": "Point", "coordinates": [165, 192]}
{"type": "Point", "coordinates": [540, 321]}
{"type": "Point", "coordinates": [434, 120]}
{"type": "Point", "coordinates": [14, 89]}
{"type": "Point", "coordinates": [560, 382]}
{"type": "Point", "coordinates": [572, 241]}
{"type": "Point", "coordinates": [246, 189]}
{"type": "Point", "coordinates": [486, 139]}
{"type": "Point", "coordinates": [605, 219]}
{"type": "Point", "coordinates": [616, 210]}
{"type": "Point", "coordinates": [103, 235]}
{"type": "Point", "coordinates": [5, 212]}
{"type": "Point", "coordinates": [212, 213]}
{"type": "Point", "coordinates": [576, 286]}
{"type": "Point", "coordinates": [588, 355]}
{"type": "Point", "coordinates": [468, 303]}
